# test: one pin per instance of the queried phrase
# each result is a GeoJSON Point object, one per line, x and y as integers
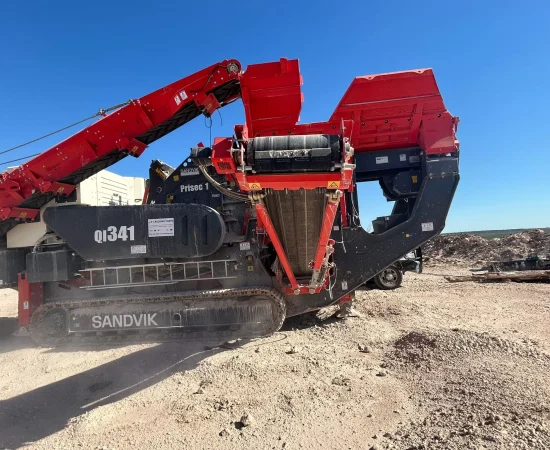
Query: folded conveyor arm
{"type": "Point", "coordinates": [126, 131]}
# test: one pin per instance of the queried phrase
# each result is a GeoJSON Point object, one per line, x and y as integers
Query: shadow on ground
{"type": "Point", "coordinates": [9, 343]}
{"type": "Point", "coordinates": [8, 325]}
{"type": "Point", "coordinates": [44, 411]}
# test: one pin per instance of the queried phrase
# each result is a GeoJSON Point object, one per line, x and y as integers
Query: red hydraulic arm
{"type": "Point", "coordinates": [126, 131]}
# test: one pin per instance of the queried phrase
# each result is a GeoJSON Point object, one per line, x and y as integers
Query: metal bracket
{"type": "Point", "coordinates": [133, 146]}
{"type": "Point", "coordinates": [18, 213]}
{"type": "Point", "coordinates": [207, 103]}
{"type": "Point", "coordinates": [45, 186]}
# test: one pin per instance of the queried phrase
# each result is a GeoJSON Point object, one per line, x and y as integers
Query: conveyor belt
{"type": "Point", "coordinates": [297, 216]}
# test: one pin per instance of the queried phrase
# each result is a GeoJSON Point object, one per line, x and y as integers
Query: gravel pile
{"type": "Point", "coordinates": [473, 391]}
{"type": "Point", "coordinates": [478, 250]}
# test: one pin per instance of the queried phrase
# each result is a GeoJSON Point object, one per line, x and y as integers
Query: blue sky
{"type": "Point", "coordinates": [61, 61]}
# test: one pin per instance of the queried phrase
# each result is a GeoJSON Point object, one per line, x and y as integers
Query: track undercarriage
{"type": "Point", "coordinates": [224, 314]}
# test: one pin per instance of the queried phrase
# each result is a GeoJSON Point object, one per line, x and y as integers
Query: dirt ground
{"type": "Point", "coordinates": [442, 365]}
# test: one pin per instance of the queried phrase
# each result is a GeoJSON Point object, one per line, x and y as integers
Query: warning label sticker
{"type": "Point", "coordinates": [161, 227]}
{"type": "Point", "coordinates": [381, 159]}
{"type": "Point", "coordinates": [138, 249]}
{"type": "Point", "coordinates": [427, 226]}
{"type": "Point", "coordinates": [333, 185]}
{"type": "Point", "coordinates": [254, 186]}
{"type": "Point", "coordinates": [180, 97]}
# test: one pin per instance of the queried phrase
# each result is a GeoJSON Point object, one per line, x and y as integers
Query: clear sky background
{"type": "Point", "coordinates": [61, 61]}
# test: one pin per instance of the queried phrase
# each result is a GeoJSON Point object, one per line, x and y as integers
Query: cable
{"type": "Point", "coordinates": [231, 101]}
{"type": "Point", "coordinates": [101, 112]}
{"type": "Point", "coordinates": [209, 78]}
{"type": "Point", "coordinates": [210, 179]}
{"type": "Point", "coordinates": [220, 188]}
{"type": "Point", "coordinates": [342, 241]}
{"type": "Point", "coordinates": [19, 159]}
{"type": "Point", "coordinates": [356, 214]}
{"type": "Point", "coordinates": [331, 285]}
{"type": "Point", "coordinates": [47, 135]}
{"type": "Point", "coordinates": [210, 130]}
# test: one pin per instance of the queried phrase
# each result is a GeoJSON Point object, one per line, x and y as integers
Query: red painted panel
{"type": "Point", "coordinates": [271, 96]}
{"type": "Point", "coordinates": [30, 298]}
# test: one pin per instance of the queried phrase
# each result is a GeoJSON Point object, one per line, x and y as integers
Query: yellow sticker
{"type": "Point", "coordinates": [254, 186]}
{"type": "Point", "coordinates": [333, 184]}
{"type": "Point", "coordinates": [61, 189]}
{"type": "Point", "coordinates": [414, 178]}
{"type": "Point", "coordinates": [22, 215]}
{"type": "Point", "coordinates": [251, 268]}
{"type": "Point", "coordinates": [160, 173]}
{"type": "Point", "coordinates": [176, 177]}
